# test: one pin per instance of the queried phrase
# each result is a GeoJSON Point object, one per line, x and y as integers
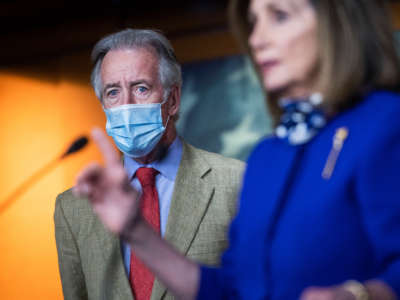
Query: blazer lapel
{"type": "Point", "coordinates": [115, 284]}
{"type": "Point", "coordinates": [192, 194]}
{"type": "Point", "coordinates": [281, 166]}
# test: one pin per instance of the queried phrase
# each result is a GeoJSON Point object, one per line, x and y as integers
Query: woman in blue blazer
{"type": "Point", "coordinates": [319, 214]}
{"type": "Point", "coordinates": [320, 204]}
{"type": "Point", "coordinates": [298, 228]}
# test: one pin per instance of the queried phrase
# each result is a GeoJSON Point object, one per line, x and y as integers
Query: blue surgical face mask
{"type": "Point", "coordinates": [135, 128]}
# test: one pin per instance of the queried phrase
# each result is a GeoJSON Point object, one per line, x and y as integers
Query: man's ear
{"type": "Point", "coordinates": [174, 101]}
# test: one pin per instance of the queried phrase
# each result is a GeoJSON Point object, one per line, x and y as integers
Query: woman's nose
{"type": "Point", "coordinates": [258, 38]}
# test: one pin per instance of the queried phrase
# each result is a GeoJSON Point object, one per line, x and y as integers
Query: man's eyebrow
{"type": "Point", "coordinates": [132, 83]}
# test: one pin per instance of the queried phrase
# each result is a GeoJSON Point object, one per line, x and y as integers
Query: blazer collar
{"type": "Point", "coordinates": [115, 281]}
{"type": "Point", "coordinates": [192, 193]}
{"type": "Point", "coordinates": [280, 165]}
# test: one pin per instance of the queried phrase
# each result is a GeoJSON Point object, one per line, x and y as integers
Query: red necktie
{"type": "Point", "coordinates": [141, 278]}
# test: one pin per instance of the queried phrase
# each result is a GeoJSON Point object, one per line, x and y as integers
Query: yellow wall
{"type": "Point", "coordinates": [39, 116]}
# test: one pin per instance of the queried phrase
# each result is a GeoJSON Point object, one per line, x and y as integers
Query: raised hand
{"type": "Point", "coordinates": [326, 293]}
{"type": "Point", "coordinates": [108, 189]}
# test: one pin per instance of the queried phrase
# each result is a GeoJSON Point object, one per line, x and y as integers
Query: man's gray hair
{"type": "Point", "coordinates": [169, 69]}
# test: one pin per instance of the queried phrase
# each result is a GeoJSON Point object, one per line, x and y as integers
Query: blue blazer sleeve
{"type": "Point", "coordinates": [377, 188]}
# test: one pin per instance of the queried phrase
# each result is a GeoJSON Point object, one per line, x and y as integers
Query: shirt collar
{"type": "Point", "coordinates": [168, 166]}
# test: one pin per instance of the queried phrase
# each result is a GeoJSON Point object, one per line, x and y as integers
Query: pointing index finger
{"type": "Point", "coordinates": [111, 157]}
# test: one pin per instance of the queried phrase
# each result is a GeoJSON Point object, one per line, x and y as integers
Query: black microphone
{"type": "Point", "coordinates": [76, 146]}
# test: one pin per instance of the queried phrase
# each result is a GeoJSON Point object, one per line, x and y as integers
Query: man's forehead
{"type": "Point", "coordinates": [130, 62]}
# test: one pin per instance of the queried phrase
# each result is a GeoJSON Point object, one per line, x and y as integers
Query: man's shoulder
{"type": "Point", "coordinates": [216, 160]}
{"type": "Point", "coordinates": [72, 205]}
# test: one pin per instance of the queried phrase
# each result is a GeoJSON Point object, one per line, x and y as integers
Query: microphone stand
{"type": "Point", "coordinates": [77, 145]}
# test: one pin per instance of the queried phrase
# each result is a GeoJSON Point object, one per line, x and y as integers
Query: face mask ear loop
{"type": "Point", "coordinates": [166, 124]}
{"type": "Point", "coordinates": [166, 99]}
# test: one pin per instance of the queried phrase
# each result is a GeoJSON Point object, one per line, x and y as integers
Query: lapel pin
{"type": "Point", "coordinates": [339, 138]}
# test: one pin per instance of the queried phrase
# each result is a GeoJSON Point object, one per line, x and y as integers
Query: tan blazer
{"type": "Point", "coordinates": [202, 206]}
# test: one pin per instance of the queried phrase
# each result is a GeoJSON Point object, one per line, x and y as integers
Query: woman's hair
{"type": "Point", "coordinates": [357, 49]}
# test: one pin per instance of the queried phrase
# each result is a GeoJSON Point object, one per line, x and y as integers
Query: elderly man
{"type": "Point", "coordinates": [187, 195]}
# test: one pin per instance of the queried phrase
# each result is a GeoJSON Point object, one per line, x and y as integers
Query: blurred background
{"type": "Point", "coordinates": [46, 101]}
